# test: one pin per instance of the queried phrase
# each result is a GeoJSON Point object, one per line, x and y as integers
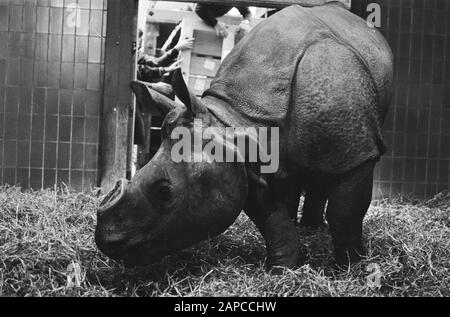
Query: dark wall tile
{"type": "Point", "coordinates": [29, 18]}
{"type": "Point", "coordinates": [417, 20]}
{"type": "Point", "coordinates": [65, 128]}
{"type": "Point", "coordinates": [63, 156]}
{"type": "Point", "coordinates": [77, 156]}
{"type": "Point", "coordinates": [397, 169]}
{"type": "Point", "coordinates": [92, 130]}
{"type": "Point", "coordinates": [36, 157]}
{"type": "Point", "coordinates": [13, 72]}
{"type": "Point", "coordinates": [52, 101]}
{"type": "Point", "coordinates": [405, 19]}
{"type": "Point", "coordinates": [15, 18]}
{"type": "Point", "coordinates": [11, 122]}
{"type": "Point", "coordinates": [49, 178]}
{"type": "Point", "coordinates": [90, 180]}
{"type": "Point", "coordinates": [93, 103]}
{"type": "Point", "coordinates": [9, 176]}
{"type": "Point", "coordinates": [65, 102]}
{"type": "Point", "coordinates": [41, 50]}
{"type": "Point", "coordinates": [80, 76]}
{"type": "Point", "coordinates": [51, 129]}
{"type": "Point", "coordinates": [81, 51]}
{"type": "Point", "coordinates": [43, 18]}
{"type": "Point", "coordinates": [76, 180]}
{"type": "Point", "coordinates": [67, 76]}
{"type": "Point", "coordinates": [4, 17]}
{"type": "Point", "coordinates": [445, 146]}
{"type": "Point", "coordinates": [22, 178]}
{"type": "Point", "coordinates": [28, 45]}
{"type": "Point", "coordinates": [12, 99]}
{"type": "Point", "coordinates": [422, 145]}
{"type": "Point", "coordinates": [24, 127]}
{"type": "Point", "coordinates": [2, 99]}
{"type": "Point", "coordinates": [91, 157]}
{"type": "Point", "coordinates": [26, 73]}
{"type": "Point", "coordinates": [9, 154]}
{"type": "Point", "coordinates": [56, 19]}
{"type": "Point", "coordinates": [79, 100]}
{"type": "Point", "coordinates": [39, 100]}
{"type": "Point", "coordinates": [68, 48]}
{"type": "Point", "coordinates": [54, 48]}
{"type": "Point", "coordinates": [444, 172]}
{"type": "Point", "coordinates": [36, 179]}
{"type": "Point", "coordinates": [4, 45]}
{"type": "Point", "coordinates": [50, 155]}
{"type": "Point", "coordinates": [62, 178]}
{"type": "Point", "coordinates": [78, 129]}
{"type": "Point", "coordinates": [421, 170]}
{"type": "Point", "coordinates": [432, 173]}
{"type": "Point", "coordinates": [37, 128]}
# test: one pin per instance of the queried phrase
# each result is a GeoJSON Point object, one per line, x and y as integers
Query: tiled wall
{"type": "Point", "coordinates": [418, 126]}
{"type": "Point", "coordinates": [51, 73]}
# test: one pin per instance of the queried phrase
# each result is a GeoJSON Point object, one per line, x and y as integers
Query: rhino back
{"type": "Point", "coordinates": [300, 69]}
{"type": "Point", "coordinates": [255, 78]}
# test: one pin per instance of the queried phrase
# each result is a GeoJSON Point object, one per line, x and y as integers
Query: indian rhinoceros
{"type": "Point", "coordinates": [321, 75]}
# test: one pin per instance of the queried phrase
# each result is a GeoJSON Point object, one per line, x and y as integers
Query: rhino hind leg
{"type": "Point", "coordinates": [348, 204]}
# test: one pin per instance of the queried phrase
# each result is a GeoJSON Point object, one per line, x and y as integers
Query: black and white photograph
{"type": "Point", "coordinates": [231, 152]}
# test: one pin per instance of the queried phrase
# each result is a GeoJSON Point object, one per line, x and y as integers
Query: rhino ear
{"type": "Point", "coordinates": [185, 95]}
{"type": "Point", "coordinates": [148, 98]}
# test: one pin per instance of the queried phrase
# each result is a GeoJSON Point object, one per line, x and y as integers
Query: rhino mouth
{"type": "Point", "coordinates": [127, 249]}
{"type": "Point", "coordinates": [140, 255]}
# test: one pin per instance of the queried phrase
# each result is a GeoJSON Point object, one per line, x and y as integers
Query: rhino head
{"type": "Point", "coordinates": [169, 206]}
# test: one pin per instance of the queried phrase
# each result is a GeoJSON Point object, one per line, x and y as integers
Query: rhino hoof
{"type": "Point", "coordinates": [347, 256]}
{"type": "Point", "coordinates": [309, 225]}
{"type": "Point", "coordinates": [279, 266]}
{"type": "Point", "coordinates": [276, 270]}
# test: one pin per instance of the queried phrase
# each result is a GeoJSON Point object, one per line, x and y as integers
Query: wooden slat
{"type": "Point", "coordinates": [119, 71]}
{"type": "Point", "coordinates": [199, 84]}
{"type": "Point", "coordinates": [229, 41]}
{"type": "Point", "coordinates": [205, 66]}
{"type": "Point", "coordinates": [207, 43]}
{"type": "Point", "coordinates": [209, 47]}
{"type": "Point", "coordinates": [175, 17]}
{"type": "Point", "coordinates": [129, 100]}
{"type": "Point", "coordinates": [187, 31]}
{"type": "Point", "coordinates": [151, 34]}
{"type": "Point", "coordinates": [268, 3]}
{"type": "Point", "coordinates": [108, 135]}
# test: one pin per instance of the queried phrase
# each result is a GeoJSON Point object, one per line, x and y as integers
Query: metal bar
{"type": "Point", "coordinates": [269, 3]}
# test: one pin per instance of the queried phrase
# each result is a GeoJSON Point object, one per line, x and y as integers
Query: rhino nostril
{"type": "Point", "coordinates": [114, 196]}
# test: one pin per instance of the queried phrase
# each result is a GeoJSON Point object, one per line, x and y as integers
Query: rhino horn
{"type": "Point", "coordinates": [147, 97]}
{"type": "Point", "coordinates": [183, 93]}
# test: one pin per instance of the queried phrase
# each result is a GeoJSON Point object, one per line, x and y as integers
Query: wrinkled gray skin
{"type": "Point", "coordinates": [336, 101]}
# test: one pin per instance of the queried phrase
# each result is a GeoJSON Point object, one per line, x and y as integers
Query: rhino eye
{"type": "Point", "coordinates": [165, 191]}
{"type": "Point", "coordinates": [162, 190]}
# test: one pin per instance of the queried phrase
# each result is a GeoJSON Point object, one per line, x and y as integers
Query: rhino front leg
{"type": "Point", "coordinates": [270, 210]}
{"type": "Point", "coordinates": [347, 206]}
{"type": "Point", "coordinates": [282, 241]}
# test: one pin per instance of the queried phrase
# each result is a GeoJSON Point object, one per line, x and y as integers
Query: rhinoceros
{"type": "Point", "coordinates": [323, 77]}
